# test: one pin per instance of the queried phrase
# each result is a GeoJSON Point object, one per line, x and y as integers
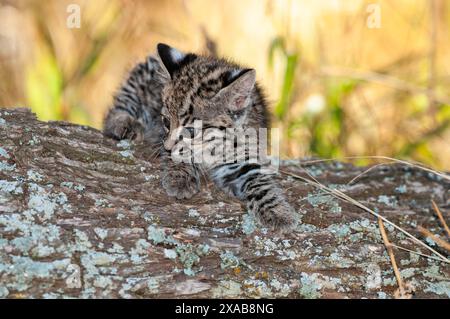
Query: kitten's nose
{"type": "Point", "coordinates": [168, 144]}
{"type": "Point", "coordinates": [172, 138]}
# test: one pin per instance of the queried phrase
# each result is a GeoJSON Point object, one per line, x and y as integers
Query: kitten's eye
{"type": "Point", "coordinates": [166, 122]}
{"type": "Point", "coordinates": [236, 114]}
{"type": "Point", "coordinates": [191, 131]}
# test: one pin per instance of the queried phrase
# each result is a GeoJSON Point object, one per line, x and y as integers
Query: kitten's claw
{"type": "Point", "coordinates": [120, 126]}
{"type": "Point", "coordinates": [180, 184]}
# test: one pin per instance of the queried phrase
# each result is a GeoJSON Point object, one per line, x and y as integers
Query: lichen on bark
{"type": "Point", "coordinates": [82, 216]}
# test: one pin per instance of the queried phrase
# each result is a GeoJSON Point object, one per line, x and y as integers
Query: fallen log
{"type": "Point", "coordinates": [83, 216]}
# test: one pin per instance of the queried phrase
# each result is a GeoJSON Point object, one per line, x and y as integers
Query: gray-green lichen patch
{"type": "Point", "coordinates": [310, 288]}
{"type": "Point", "coordinates": [193, 212]}
{"type": "Point", "coordinates": [408, 272]}
{"type": "Point", "coordinates": [430, 241]}
{"type": "Point", "coordinates": [101, 233]}
{"type": "Point", "coordinates": [32, 236]}
{"type": "Point", "coordinates": [125, 144]}
{"type": "Point", "coordinates": [401, 189]}
{"type": "Point", "coordinates": [388, 200]}
{"type": "Point", "coordinates": [434, 272]}
{"type": "Point", "coordinates": [321, 199]}
{"type": "Point", "coordinates": [280, 248]}
{"type": "Point", "coordinates": [258, 288]}
{"type": "Point", "coordinates": [126, 154]}
{"type": "Point", "coordinates": [73, 280]}
{"type": "Point", "coordinates": [7, 188]}
{"type": "Point", "coordinates": [44, 203]}
{"type": "Point", "coordinates": [77, 187]}
{"type": "Point", "coordinates": [25, 270]}
{"type": "Point", "coordinates": [150, 177]}
{"type": "Point", "coordinates": [188, 254]}
{"type": "Point", "coordinates": [34, 140]}
{"type": "Point", "coordinates": [82, 242]}
{"type": "Point", "coordinates": [439, 288]}
{"type": "Point", "coordinates": [312, 285]}
{"type": "Point", "coordinates": [340, 261]}
{"type": "Point", "coordinates": [229, 260]}
{"type": "Point", "coordinates": [227, 289]}
{"type": "Point", "coordinates": [42, 251]}
{"type": "Point", "coordinates": [382, 295]}
{"type": "Point", "coordinates": [413, 259]}
{"type": "Point", "coordinates": [132, 285]}
{"type": "Point", "coordinates": [4, 292]}
{"type": "Point", "coordinates": [340, 230]}
{"type": "Point", "coordinates": [34, 176]}
{"type": "Point", "coordinates": [5, 167]}
{"type": "Point", "coordinates": [140, 251]}
{"type": "Point", "coordinates": [158, 235]}
{"type": "Point", "coordinates": [373, 279]}
{"type": "Point", "coordinates": [306, 228]}
{"type": "Point", "coordinates": [101, 202]}
{"type": "Point", "coordinates": [102, 282]}
{"type": "Point", "coordinates": [4, 153]}
{"type": "Point", "coordinates": [170, 253]}
{"type": "Point", "coordinates": [248, 224]}
{"type": "Point", "coordinates": [116, 249]}
{"type": "Point", "coordinates": [281, 289]}
{"type": "Point", "coordinates": [91, 259]}
{"type": "Point", "coordinates": [151, 218]}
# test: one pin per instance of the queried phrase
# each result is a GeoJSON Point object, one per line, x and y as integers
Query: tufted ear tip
{"type": "Point", "coordinates": [172, 58]}
{"type": "Point", "coordinates": [162, 47]}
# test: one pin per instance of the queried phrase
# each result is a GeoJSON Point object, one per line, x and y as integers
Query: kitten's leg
{"type": "Point", "coordinates": [137, 104]}
{"type": "Point", "coordinates": [259, 190]}
{"type": "Point", "coordinates": [180, 180]}
{"type": "Point", "coordinates": [122, 124]}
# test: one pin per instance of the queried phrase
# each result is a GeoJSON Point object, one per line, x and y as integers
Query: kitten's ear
{"type": "Point", "coordinates": [173, 59]}
{"type": "Point", "coordinates": [239, 87]}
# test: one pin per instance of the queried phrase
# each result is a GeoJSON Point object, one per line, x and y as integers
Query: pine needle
{"type": "Point", "coordinates": [441, 218]}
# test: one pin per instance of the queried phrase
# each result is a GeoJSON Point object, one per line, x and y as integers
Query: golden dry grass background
{"type": "Point", "coordinates": [338, 87]}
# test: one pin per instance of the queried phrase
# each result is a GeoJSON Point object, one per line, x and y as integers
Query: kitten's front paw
{"type": "Point", "coordinates": [281, 217]}
{"type": "Point", "coordinates": [180, 184]}
{"type": "Point", "coordinates": [120, 126]}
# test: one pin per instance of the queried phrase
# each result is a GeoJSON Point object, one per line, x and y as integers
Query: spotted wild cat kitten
{"type": "Point", "coordinates": [160, 100]}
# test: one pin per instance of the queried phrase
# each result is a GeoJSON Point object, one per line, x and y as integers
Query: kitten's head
{"type": "Point", "coordinates": [212, 90]}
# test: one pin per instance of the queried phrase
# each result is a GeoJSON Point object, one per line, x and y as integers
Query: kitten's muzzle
{"type": "Point", "coordinates": [169, 144]}
{"type": "Point", "coordinates": [172, 139]}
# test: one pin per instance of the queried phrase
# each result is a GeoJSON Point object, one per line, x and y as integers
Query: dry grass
{"type": "Point", "coordinates": [441, 218]}
{"type": "Point", "coordinates": [391, 160]}
{"type": "Point", "coordinates": [340, 195]}
{"type": "Point", "coordinates": [404, 290]}
{"type": "Point", "coordinates": [442, 243]}
{"type": "Point", "coordinates": [415, 252]}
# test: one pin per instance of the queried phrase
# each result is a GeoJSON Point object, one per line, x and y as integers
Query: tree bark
{"type": "Point", "coordinates": [84, 216]}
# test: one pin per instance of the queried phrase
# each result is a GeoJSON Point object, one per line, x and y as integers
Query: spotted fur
{"type": "Point", "coordinates": [159, 99]}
